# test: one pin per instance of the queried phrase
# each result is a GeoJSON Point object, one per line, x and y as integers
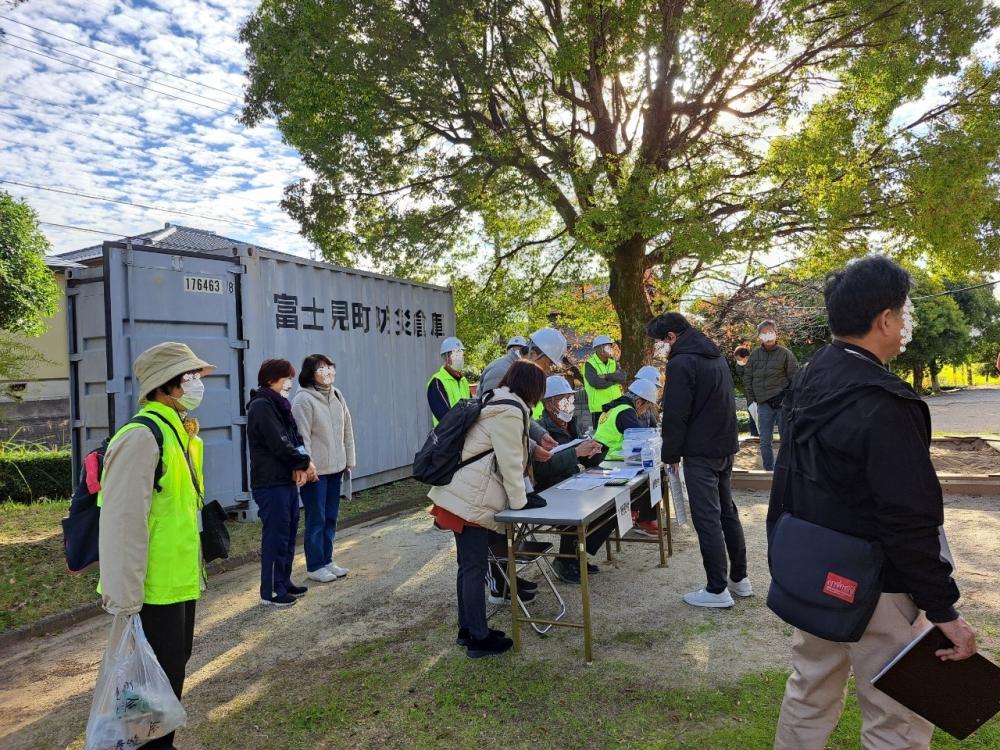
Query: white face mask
{"type": "Point", "coordinates": [326, 375]}
{"type": "Point", "coordinates": [768, 338]}
{"type": "Point", "coordinates": [286, 387]}
{"type": "Point", "coordinates": [909, 323]}
{"type": "Point", "coordinates": [194, 392]}
{"type": "Point", "coordinates": [662, 349]}
{"type": "Point", "coordinates": [609, 351]}
{"type": "Point", "coordinates": [566, 408]}
{"type": "Point", "coordinates": [458, 361]}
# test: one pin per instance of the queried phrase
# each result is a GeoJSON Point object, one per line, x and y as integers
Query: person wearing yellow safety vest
{"type": "Point", "coordinates": [149, 545]}
{"type": "Point", "coordinates": [602, 377]}
{"type": "Point", "coordinates": [448, 385]}
{"type": "Point", "coordinates": [625, 413]}
{"type": "Point", "coordinates": [653, 375]}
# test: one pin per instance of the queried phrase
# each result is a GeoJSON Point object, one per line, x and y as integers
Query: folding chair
{"type": "Point", "coordinates": [527, 553]}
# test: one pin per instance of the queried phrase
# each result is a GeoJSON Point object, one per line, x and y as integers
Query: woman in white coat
{"type": "Point", "coordinates": [324, 423]}
{"type": "Point", "coordinates": [468, 503]}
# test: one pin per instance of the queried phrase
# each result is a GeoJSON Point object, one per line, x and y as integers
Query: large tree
{"type": "Point", "coordinates": [30, 292]}
{"type": "Point", "coordinates": [654, 137]}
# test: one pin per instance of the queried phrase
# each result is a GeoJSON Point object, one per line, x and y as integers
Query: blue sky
{"type": "Point", "coordinates": [75, 130]}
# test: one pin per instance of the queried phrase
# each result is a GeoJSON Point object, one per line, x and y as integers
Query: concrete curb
{"type": "Point", "coordinates": [60, 621]}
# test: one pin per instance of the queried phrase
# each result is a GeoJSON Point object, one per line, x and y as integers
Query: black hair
{"type": "Point", "coordinates": [856, 294]}
{"type": "Point", "coordinates": [741, 351]}
{"type": "Point", "coordinates": [307, 377]}
{"type": "Point", "coordinates": [272, 370]}
{"type": "Point", "coordinates": [527, 380]}
{"type": "Point", "coordinates": [661, 325]}
{"type": "Point", "coordinates": [766, 324]}
{"type": "Point", "coordinates": [174, 382]}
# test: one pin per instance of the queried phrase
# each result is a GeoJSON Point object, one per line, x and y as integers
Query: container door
{"type": "Point", "coordinates": [154, 295]}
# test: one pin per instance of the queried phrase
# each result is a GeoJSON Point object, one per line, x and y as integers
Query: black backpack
{"type": "Point", "coordinates": [441, 454]}
{"type": "Point", "coordinates": [81, 527]}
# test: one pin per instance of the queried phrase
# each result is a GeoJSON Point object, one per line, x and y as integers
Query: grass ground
{"type": "Point", "coordinates": [36, 583]}
{"type": "Point", "coordinates": [411, 693]}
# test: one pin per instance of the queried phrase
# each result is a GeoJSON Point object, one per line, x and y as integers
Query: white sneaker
{"type": "Point", "coordinates": [703, 598]}
{"type": "Point", "coordinates": [741, 588]}
{"type": "Point", "coordinates": [323, 575]}
{"type": "Point", "coordinates": [338, 571]}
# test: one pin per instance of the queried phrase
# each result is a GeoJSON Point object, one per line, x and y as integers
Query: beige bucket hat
{"type": "Point", "coordinates": [159, 364]}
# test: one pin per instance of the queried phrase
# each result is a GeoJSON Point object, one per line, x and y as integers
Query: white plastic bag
{"type": "Point", "coordinates": [133, 701]}
{"type": "Point", "coordinates": [753, 410]}
{"type": "Point", "coordinates": [679, 495]}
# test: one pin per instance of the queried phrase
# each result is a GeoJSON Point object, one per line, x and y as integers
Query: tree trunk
{"type": "Point", "coordinates": [628, 295]}
{"type": "Point", "coordinates": [935, 369]}
{"type": "Point", "coordinates": [918, 378]}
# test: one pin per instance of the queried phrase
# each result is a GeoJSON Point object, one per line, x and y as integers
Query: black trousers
{"type": "Point", "coordinates": [472, 545]}
{"type": "Point", "coordinates": [716, 520]}
{"type": "Point", "coordinates": [169, 628]}
{"type": "Point", "coordinates": [595, 539]}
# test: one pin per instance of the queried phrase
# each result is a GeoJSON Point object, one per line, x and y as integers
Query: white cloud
{"type": "Point", "coordinates": [146, 147]}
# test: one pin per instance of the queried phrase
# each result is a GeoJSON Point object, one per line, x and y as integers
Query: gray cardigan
{"type": "Point", "coordinates": [324, 422]}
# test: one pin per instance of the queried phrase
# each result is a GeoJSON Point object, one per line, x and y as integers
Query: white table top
{"type": "Point", "coordinates": [572, 507]}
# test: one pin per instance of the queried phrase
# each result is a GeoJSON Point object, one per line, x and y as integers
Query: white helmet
{"type": "Point", "coordinates": [644, 390]}
{"type": "Point", "coordinates": [517, 341]}
{"type": "Point", "coordinates": [451, 344]}
{"type": "Point", "coordinates": [650, 373]}
{"type": "Point", "coordinates": [557, 385]}
{"type": "Point", "coordinates": [551, 343]}
{"type": "Point", "coordinates": [602, 340]}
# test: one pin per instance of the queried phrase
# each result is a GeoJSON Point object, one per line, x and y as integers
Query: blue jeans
{"type": "Point", "coordinates": [769, 418]}
{"type": "Point", "coordinates": [279, 514]}
{"type": "Point", "coordinates": [321, 501]}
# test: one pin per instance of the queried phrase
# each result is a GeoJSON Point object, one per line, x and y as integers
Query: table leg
{"type": "Point", "coordinates": [659, 534]}
{"type": "Point", "coordinates": [607, 548]}
{"type": "Point", "coordinates": [670, 530]}
{"type": "Point", "coordinates": [581, 546]}
{"type": "Point", "coordinates": [515, 626]}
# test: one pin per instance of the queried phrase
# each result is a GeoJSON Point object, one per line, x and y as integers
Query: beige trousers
{"type": "Point", "coordinates": [814, 695]}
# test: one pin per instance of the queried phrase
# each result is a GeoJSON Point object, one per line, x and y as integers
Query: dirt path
{"type": "Point", "coordinates": [402, 573]}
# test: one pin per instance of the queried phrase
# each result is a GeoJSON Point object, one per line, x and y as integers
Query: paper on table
{"type": "Point", "coordinates": [580, 482]}
{"type": "Point", "coordinates": [564, 446]}
{"type": "Point", "coordinates": [629, 472]}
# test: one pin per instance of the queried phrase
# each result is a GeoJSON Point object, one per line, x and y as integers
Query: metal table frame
{"type": "Point", "coordinates": [590, 515]}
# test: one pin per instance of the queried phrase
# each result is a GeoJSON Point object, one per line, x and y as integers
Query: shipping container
{"type": "Point", "coordinates": [383, 333]}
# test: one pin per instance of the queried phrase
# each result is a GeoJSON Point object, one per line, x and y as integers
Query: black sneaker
{"type": "Point", "coordinates": [297, 591]}
{"type": "Point", "coordinates": [285, 600]}
{"type": "Point", "coordinates": [488, 646]}
{"type": "Point", "coordinates": [464, 640]}
{"type": "Point", "coordinates": [592, 569]}
{"type": "Point", "coordinates": [526, 585]}
{"type": "Point", "coordinates": [566, 570]}
{"type": "Point", "coordinates": [496, 597]}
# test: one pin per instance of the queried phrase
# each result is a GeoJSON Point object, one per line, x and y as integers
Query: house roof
{"type": "Point", "coordinates": [171, 237]}
{"type": "Point", "coordinates": [55, 262]}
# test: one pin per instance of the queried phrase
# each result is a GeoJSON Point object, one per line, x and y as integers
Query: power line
{"type": "Point", "coordinates": [145, 206]}
{"type": "Point", "coordinates": [4, 33]}
{"type": "Point", "coordinates": [963, 289]}
{"type": "Point", "coordinates": [83, 229]}
{"type": "Point", "coordinates": [114, 78]}
{"type": "Point", "coordinates": [111, 54]}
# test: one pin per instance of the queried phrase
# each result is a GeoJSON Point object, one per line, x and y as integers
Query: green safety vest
{"type": "Point", "coordinates": [598, 397]}
{"type": "Point", "coordinates": [455, 390]}
{"type": "Point", "coordinates": [607, 433]}
{"type": "Point", "coordinates": [174, 568]}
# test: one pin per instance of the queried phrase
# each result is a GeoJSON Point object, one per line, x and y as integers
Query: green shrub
{"type": "Point", "coordinates": [28, 474]}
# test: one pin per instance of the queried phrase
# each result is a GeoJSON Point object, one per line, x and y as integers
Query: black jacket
{"type": "Point", "coordinates": [563, 464]}
{"type": "Point", "coordinates": [699, 407]}
{"type": "Point", "coordinates": [855, 457]}
{"type": "Point", "coordinates": [274, 443]}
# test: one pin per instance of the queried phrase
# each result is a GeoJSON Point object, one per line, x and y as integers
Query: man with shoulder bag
{"type": "Point", "coordinates": [855, 520]}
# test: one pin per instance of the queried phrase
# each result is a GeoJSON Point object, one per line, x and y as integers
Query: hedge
{"type": "Point", "coordinates": [31, 475]}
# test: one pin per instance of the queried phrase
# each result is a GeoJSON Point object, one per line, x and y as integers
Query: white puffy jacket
{"type": "Point", "coordinates": [496, 481]}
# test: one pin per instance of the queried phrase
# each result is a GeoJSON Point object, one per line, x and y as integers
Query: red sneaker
{"type": "Point", "coordinates": [647, 528]}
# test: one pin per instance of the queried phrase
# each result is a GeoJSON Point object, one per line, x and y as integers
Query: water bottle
{"type": "Point", "coordinates": [647, 456]}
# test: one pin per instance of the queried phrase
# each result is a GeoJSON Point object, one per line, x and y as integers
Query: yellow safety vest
{"type": "Point", "coordinates": [537, 412]}
{"type": "Point", "coordinates": [455, 390]}
{"type": "Point", "coordinates": [598, 397]}
{"type": "Point", "coordinates": [607, 433]}
{"type": "Point", "coordinates": [174, 567]}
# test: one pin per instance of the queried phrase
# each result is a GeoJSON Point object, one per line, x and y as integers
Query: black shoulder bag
{"type": "Point", "coordinates": [823, 581]}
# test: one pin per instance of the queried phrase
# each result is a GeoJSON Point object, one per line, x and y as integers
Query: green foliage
{"type": "Point", "coordinates": [29, 474]}
{"type": "Point", "coordinates": [633, 137]}
{"type": "Point", "coordinates": [30, 293]}
{"type": "Point", "coordinates": [941, 334]}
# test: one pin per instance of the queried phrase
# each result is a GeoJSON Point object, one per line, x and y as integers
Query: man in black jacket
{"type": "Point", "coordinates": [699, 425]}
{"type": "Point", "coordinates": [856, 459]}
